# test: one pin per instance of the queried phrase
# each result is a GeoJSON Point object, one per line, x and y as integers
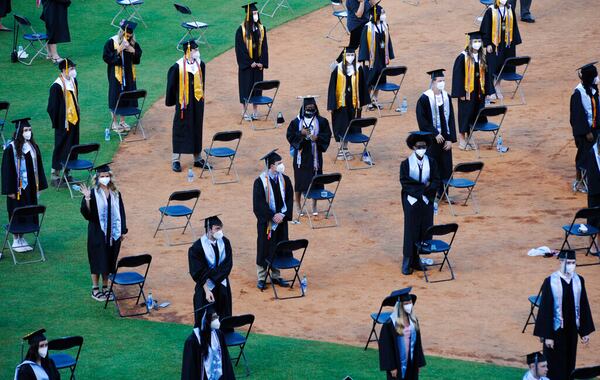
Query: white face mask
{"type": "Point", "coordinates": [280, 168]}
{"type": "Point", "coordinates": [407, 308]}
{"type": "Point", "coordinates": [420, 152]}
{"type": "Point", "coordinates": [73, 74]}
{"type": "Point", "coordinates": [255, 17]}
{"type": "Point", "coordinates": [218, 235]}
{"type": "Point", "coordinates": [104, 181]}
{"type": "Point", "coordinates": [571, 268]}
{"type": "Point", "coordinates": [596, 80]}
{"type": "Point", "coordinates": [196, 55]}
{"type": "Point", "coordinates": [503, 2]}
{"type": "Point", "coordinates": [27, 135]}
{"type": "Point", "coordinates": [440, 85]}
{"type": "Point", "coordinates": [215, 324]}
{"type": "Point", "coordinates": [350, 58]}
{"type": "Point", "coordinates": [476, 45]}
{"type": "Point", "coordinates": [43, 351]}
{"type": "Point", "coordinates": [382, 17]}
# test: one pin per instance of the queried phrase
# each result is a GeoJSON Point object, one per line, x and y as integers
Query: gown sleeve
{"type": "Point", "coordinates": [51, 370]}
{"type": "Point", "coordinates": [191, 365]}
{"type": "Point", "coordinates": [363, 89]}
{"type": "Point", "coordinates": [331, 100]}
{"type": "Point", "coordinates": [390, 48]}
{"type": "Point", "coordinates": [410, 186]}
{"type": "Point", "coordinates": [137, 55]}
{"type": "Point", "coordinates": [222, 271]}
{"type": "Point", "coordinates": [452, 122]}
{"type": "Point", "coordinates": [387, 355]}
{"type": "Point", "coordinates": [424, 118]}
{"type": "Point", "coordinates": [577, 117]}
{"type": "Point", "coordinates": [43, 183]}
{"type": "Point", "coordinates": [586, 323]}
{"type": "Point", "coordinates": [419, 357]}
{"type": "Point", "coordinates": [85, 212]}
{"type": "Point", "coordinates": [293, 135]}
{"type": "Point", "coordinates": [264, 57]}
{"type": "Point", "coordinates": [9, 178]}
{"type": "Point", "coordinates": [241, 51]}
{"type": "Point", "coordinates": [110, 55]}
{"type": "Point", "coordinates": [289, 198]}
{"type": "Point", "coordinates": [363, 50]}
{"type": "Point", "coordinates": [516, 34]}
{"type": "Point", "coordinates": [259, 204]}
{"type": "Point", "coordinates": [486, 27]}
{"type": "Point", "coordinates": [544, 322]}
{"type": "Point", "coordinates": [434, 180]}
{"type": "Point", "coordinates": [324, 136]}
{"type": "Point", "coordinates": [124, 229]}
{"type": "Point", "coordinates": [458, 77]}
{"type": "Point", "coordinates": [172, 86]}
{"type": "Point", "coordinates": [54, 105]}
{"type": "Point", "coordinates": [490, 89]}
{"type": "Point", "coordinates": [197, 263]}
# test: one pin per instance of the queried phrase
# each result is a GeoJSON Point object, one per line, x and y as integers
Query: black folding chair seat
{"type": "Point", "coordinates": [37, 42]}
{"type": "Point", "coordinates": [283, 258]}
{"type": "Point", "coordinates": [388, 73]}
{"type": "Point", "coordinates": [431, 246]}
{"type": "Point", "coordinates": [316, 191]}
{"type": "Point", "coordinates": [483, 124]}
{"type": "Point", "coordinates": [62, 359]}
{"type": "Point", "coordinates": [130, 279]}
{"type": "Point", "coordinates": [23, 222]}
{"type": "Point", "coordinates": [339, 11]}
{"type": "Point", "coordinates": [353, 136]}
{"type": "Point", "coordinates": [583, 230]}
{"type": "Point", "coordinates": [75, 163]}
{"type": "Point", "coordinates": [256, 97]}
{"type": "Point", "coordinates": [236, 339]}
{"type": "Point", "coordinates": [190, 26]}
{"type": "Point", "coordinates": [178, 210]}
{"type": "Point", "coordinates": [222, 152]}
{"type": "Point", "coordinates": [463, 183]}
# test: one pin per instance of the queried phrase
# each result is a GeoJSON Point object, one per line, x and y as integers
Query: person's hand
{"type": "Point", "coordinates": [12, 196]}
{"type": "Point", "coordinates": [278, 218]}
{"type": "Point", "coordinates": [253, 65]}
{"type": "Point", "coordinates": [585, 339]}
{"type": "Point", "coordinates": [549, 343]}
{"type": "Point", "coordinates": [447, 145]}
{"type": "Point", "coordinates": [462, 98]}
{"type": "Point", "coordinates": [439, 138]}
{"type": "Point", "coordinates": [304, 132]}
{"type": "Point", "coordinates": [589, 137]}
{"type": "Point", "coordinates": [122, 238]}
{"type": "Point", "coordinates": [209, 296]}
{"type": "Point", "coordinates": [130, 49]}
{"type": "Point", "coordinates": [313, 137]}
{"type": "Point", "coordinates": [260, 65]}
{"type": "Point", "coordinates": [85, 191]}
{"type": "Point", "coordinates": [394, 373]}
{"type": "Point", "coordinates": [490, 48]}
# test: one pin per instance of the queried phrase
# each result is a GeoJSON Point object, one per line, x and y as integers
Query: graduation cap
{"type": "Point", "coordinates": [203, 311]}
{"type": "Point", "coordinates": [414, 137]}
{"type": "Point", "coordinates": [404, 295]}
{"type": "Point", "coordinates": [535, 357]}
{"type": "Point", "coordinates": [189, 44]}
{"type": "Point", "coordinates": [307, 100]}
{"type": "Point", "coordinates": [21, 123]}
{"type": "Point", "coordinates": [65, 63]}
{"type": "Point", "coordinates": [249, 8]}
{"type": "Point", "coordinates": [35, 337]}
{"type": "Point", "coordinates": [211, 221]}
{"type": "Point", "coordinates": [588, 72]}
{"type": "Point", "coordinates": [476, 35]}
{"type": "Point", "coordinates": [128, 26]}
{"type": "Point", "coordinates": [271, 158]}
{"type": "Point", "coordinates": [345, 50]}
{"type": "Point", "coordinates": [566, 254]}
{"type": "Point", "coordinates": [436, 73]}
{"type": "Point", "coordinates": [103, 168]}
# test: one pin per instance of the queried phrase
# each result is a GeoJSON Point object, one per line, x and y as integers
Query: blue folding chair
{"type": "Point", "coordinates": [585, 373]}
{"type": "Point", "coordinates": [74, 163]}
{"type": "Point", "coordinates": [257, 98]}
{"type": "Point", "coordinates": [583, 230]}
{"type": "Point", "coordinates": [354, 134]}
{"type": "Point", "coordinates": [382, 316]}
{"type": "Point", "coordinates": [236, 339]}
{"type": "Point", "coordinates": [317, 192]}
{"type": "Point", "coordinates": [429, 246]}
{"type": "Point", "coordinates": [486, 4]}
{"type": "Point", "coordinates": [280, 4]}
{"type": "Point", "coordinates": [25, 220]}
{"type": "Point", "coordinates": [131, 8]}
{"type": "Point", "coordinates": [190, 26]}
{"type": "Point", "coordinates": [339, 11]}
{"type": "Point", "coordinates": [482, 124]}
{"type": "Point", "coordinates": [130, 104]}
{"type": "Point", "coordinates": [473, 170]}
{"type": "Point", "coordinates": [283, 258]}
{"type": "Point", "coordinates": [63, 359]}
{"type": "Point", "coordinates": [4, 106]}
{"type": "Point", "coordinates": [129, 279]}
{"type": "Point", "coordinates": [388, 86]}
{"type": "Point", "coordinates": [508, 72]}
{"type": "Point", "coordinates": [38, 42]}
{"type": "Point", "coordinates": [534, 303]}
{"type": "Point", "coordinates": [179, 210]}
{"type": "Point", "coordinates": [213, 153]}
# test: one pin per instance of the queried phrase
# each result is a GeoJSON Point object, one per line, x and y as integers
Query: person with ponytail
{"type": "Point", "coordinates": [400, 349]}
{"type": "Point", "coordinates": [37, 365]}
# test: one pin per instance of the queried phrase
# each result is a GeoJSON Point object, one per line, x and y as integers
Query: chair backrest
{"type": "Point", "coordinates": [134, 261]}
{"type": "Point", "coordinates": [266, 85]}
{"type": "Point", "coordinates": [182, 9]}
{"type": "Point", "coordinates": [84, 149]}
{"type": "Point", "coordinates": [587, 213]}
{"type": "Point", "coordinates": [442, 229]}
{"type": "Point", "coordinates": [227, 136]}
{"type": "Point", "coordinates": [22, 20]}
{"type": "Point", "coordinates": [26, 211]}
{"type": "Point", "coordinates": [468, 167]}
{"type": "Point", "coordinates": [65, 343]}
{"type": "Point", "coordinates": [4, 105]}
{"type": "Point", "coordinates": [517, 61]}
{"type": "Point", "coordinates": [392, 71]}
{"type": "Point", "coordinates": [237, 321]}
{"type": "Point", "coordinates": [493, 111]}
{"type": "Point", "coordinates": [291, 245]}
{"type": "Point", "coordinates": [326, 179]}
{"type": "Point", "coordinates": [132, 95]}
{"type": "Point", "coordinates": [585, 373]}
{"type": "Point", "coordinates": [363, 122]}
{"type": "Point", "coordinates": [184, 195]}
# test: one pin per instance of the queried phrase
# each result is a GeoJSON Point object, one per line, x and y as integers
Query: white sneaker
{"type": "Point", "coordinates": [367, 158]}
{"type": "Point", "coordinates": [17, 246]}
{"type": "Point", "coordinates": [25, 244]}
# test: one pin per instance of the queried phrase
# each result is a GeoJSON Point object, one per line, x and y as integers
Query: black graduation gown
{"type": "Point", "coordinates": [419, 216]}
{"type": "Point", "coordinates": [580, 126]}
{"type": "Point", "coordinates": [102, 256]}
{"type": "Point", "coordinates": [468, 109]}
{"type": "Point", "coordinates": [379, 63]}
{"type": "Point", "coordinates": [55, 15]}
{"type": "Point", "coordinates": [303, 147]}
{"type": "Point", "coordinates": [201, 272]}
{"type": "Point", "coordinates": [593, 184]}
{"type": "Point", "coordinates": [389, 354]}
{"type": "Point", "coordinates": [26, 372]}
{"type": "Point", "coordinates": [425, 120]}
{"type": "Point", "coordinates": [63, 139]}
{"type": "Point", "coordinates": [126, 60]}
{"type": "Point", "coordinates": [561, 359]}
{"type": "Point", "coordinates": [192, 366]}
{"type": "Point", "coordinates": [9, 181]}
{"type": "Point", "coordinates": [247, 75]}
{"type": "Point", "coordinates": [341, 117]}
{"type": "Point", "coordinates": [265, 246]}
{"type": "Point", "coordinates": [501, 52]}
{"type": "Point", "coordinates": [187, 129]}
{"type": "Point", "coordinates": [5, 7]}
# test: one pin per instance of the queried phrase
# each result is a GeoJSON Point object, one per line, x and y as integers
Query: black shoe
{"type": "Point", "coordinates": [530, 20]}
{"type": "Point", "coordinates": [201, 163]}
{"type": "Point", "coordinates": [261, 284]}
{"type": "Point", "coordinates": [419, 268]}
{"type": "Point", "coordinates": [176, 166]}
{"type": "Point", "coordinates": [281, 282]}
{"type": "Point", "coordinates": [407, 272]}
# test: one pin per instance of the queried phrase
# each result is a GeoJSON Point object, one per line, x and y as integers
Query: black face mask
{"type": "Point", "coordinates": [310, 113]}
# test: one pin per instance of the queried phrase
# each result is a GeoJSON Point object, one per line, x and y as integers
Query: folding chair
{"type": "Point", "coordinates": [467, 184]}
{"type": "Point", "coordinates": [257, 98]}
{"type": "Point", "coordinates": [129, 279]}
{"type": "Point", "coordinates": [534, 303]}
{"type": "Point", "coordinates": [4, 106]}
{"type": "Point", "coordinates": [178, 211]}
{"type": "Point", "coordinates": [431, 245]}
{"type": "Point", "coordinates": [590, 231]}
{"type": "Point", "coordinates": [280, 4]}
{"type": "Point", "coordinates": [131, 8]}
{"type": "Point", "coordinates": [317, 192]}
{"type": "Point", "coordinates": [38, 42]}
{"type": "Point", "coordinates": [382, 316]}
{"type": "Point", "coordinates": [283, 258]}
{"type": "Point", "coordinates": [63, 359]}
{"type": "Point", "coordinates": [339, 11]}
{"type": "Point", "coordinates": [222, 152]}
{"type": "Point", "coordinates": [74, 163]}
{"type": "Point", "coordinates": [190, 26]}
{"type": "Point", "coordinates": [394, 88]}
{"type": "Point", "coordinates": [585, 373]}
{"type": "Point", "coordinates": [415, 2]}
{"type": "Point", "coordinates": [20, 224]}
{"type": "Point", "coordinates": [513, 76]}
{"type": "Point", "coordinates": [481, 124]}
{"type": "Point", "coordinates": [236, 339]}
{"type": "Point", "coordinates": [128, 106]}
{"type": "Point", "coordinates": [581, 183]}
{"type": "Point", "coordinates": [352, 135]}
{"type": "Point", "coordinates": [486, 4]}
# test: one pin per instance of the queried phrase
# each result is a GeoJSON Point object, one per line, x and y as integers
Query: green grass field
{"type": "Point", "coordinates": [55, 294]}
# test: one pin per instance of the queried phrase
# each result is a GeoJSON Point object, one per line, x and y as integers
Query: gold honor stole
{"type": "Point", "coordinates": [470, 75]}
{"type": "Point", "coordinates": [119, 72]}
{"type": "Point", "coordinates": [184, 91]}
{"type": "Point", "coordinates": [371, 46]}
{"type": "Point", "coordinates": [340, 88]}
{"type": "Point", "coordinates": [497, 26]}
{"type": "Point", "coordinates": [249, 44]}
{"type": "Point", "coordinates": [70, 104]}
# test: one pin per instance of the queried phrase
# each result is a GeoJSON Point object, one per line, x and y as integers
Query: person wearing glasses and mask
{"type": "Point", "coordinates": [37, 365]}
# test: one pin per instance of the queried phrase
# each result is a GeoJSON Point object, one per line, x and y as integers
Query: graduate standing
{"type": "Point", "coordinates": [63, 109]}
{"type": "Point", "coordinates": [37, 365]}
{"type": "Point", "coordinates": [309, 135]}
{"type": "Point", "coordinates": [420, 182]}
{"type": "Point", "coordinates": [23, 176]}
{"type": "Point", "coordinates": [210, 262]}
{"type": "Point", "coordinates": [471, 84]}
{"type": "Point", "coordinates": [55, 15]}
{"type": "Point", "coordinates": [564, 313]}
{"type": "Point", "coordinates": [121, 53]}
{"type": "Point", "coordinates": [592, 167]}
{"type": "Point", "coordinates": [252, 54]}
{"type": "Point", "coordinates": [435, 115]}
{"type": "Point", "coordinates": [5, 9]}
{"type": "Point", "coordinates": [185, 91]}
{"type": "Point", "coordinates": [273, 205]}
{"type": "Point", "coordinates": [538, 367]}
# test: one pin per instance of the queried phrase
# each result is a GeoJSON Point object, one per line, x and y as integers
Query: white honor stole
{"type": "Point", "coordinates": [413, 167]}
{"type": "Point", "coordinates": [435, 114]}
{"type": "Point", "coordinates": [209, 254]}
{"type": "Point", "coordinates": [264, 177]}
{"type": "Point", "coordinates": [557, 293]}
{"type": "Point", "coordinates": [115, 213]}
{"type": "Point", "coordinates": [38, 371]}
{"type": "Point", "coordinates": [586, 101]}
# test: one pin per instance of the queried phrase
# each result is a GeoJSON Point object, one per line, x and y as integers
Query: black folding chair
{"type": "Point", "coordinates": [354, 135]}
{"type": "Point", "coordinates": [585, 373]}
{"type": "Point", "coordinates": [236, 339]}
{"type": "Point", "coordinates": [37, 42]}
{"type": "Point", "coordinates": [4, 106]}
{"type": "Point", "coordinates": [280, 4]}
{"type": "Point", "coordinates": [283, 258]}
{"type": "Point", "coordinates": [257, 98]}
{"type": "Point", "coordinates": [222, 152]}
{"type": "Point", "coordinates": [317, 192]}
{"type": "Point", "coordinates": [190, 26]}
{"type": "Point", "coordinates": [482, 124]}
{"type": "Point", "coordinates": [74, 164]}
{"type": "Point", "coordinates": [128, 105]}
{"type": "Point", "coordinates": [583, 230]}
{"type": "Point", "coordinates": [381, 316]}
{"type": "Point", "coordinates": [129, 279]}
{"type": "Point", "coordinates": [513, 76]}
{"type": "Point", "coordinates": [534, 303]}
{"type": "Point", "coordinates": [178, 210]}
{"type": "Point", "coordinates": [462, 183]}
{"type": "Point", "coordinates": [581, 183]}
{"type": "Point", "coordinates": [431, 245]}
{"type": "Point", "coordinates": [64, 359]}
{"type": "Point", "coordinates": [131, 9]}
{"type": "Point", "coordinates": [22, 222]}
{"type": "Point", "coordinates": [340, 12]}
{"type": "Point", "coordinates": [394, 88]}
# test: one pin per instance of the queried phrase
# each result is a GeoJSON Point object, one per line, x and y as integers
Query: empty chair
{"type": "Point", "coordinates": [354, 134]}
{"type": "Point", "coordinates": [65, 359]}
{"type": "Point", "coordinates": [482, 124]}
{"type": "Point", "coordinates": [130, 279]}
{"type": "Point", "coordinates": [280, 4]}
{"type": "Point", "coordinates": [131, 9]}
{"type": "Point", "coordinates": [389, 86]}
{"type": "Point", "coordinates": [508, 72]}
{"type": "Point", "coordinates": [25, 220]}
{"type": "Point", "coordinates": [236, 339]}
{"type": "Point", "coordinates": [214, 153]}
{"type": "Point", "coordinates": [534, 303]}
{"type": "Point", "coordinates": [283, 258]}
{"type": "Point", "coordinates": [317, 192]}
{"type": "Point", "coordinates": [76, 164]}
{"type": "Point", "coordinates": [130, 104]}
{"type": "Point", "coordinates": [178, 210]}
{"type": "Point", "coordinates": [432, 246]}
{"type": "Point", "coordinates": [257, 98]}
{"type": "Point", "coordinates": [339, 11]}
{"type": "Point", "coordinates": [190, 26]}
{"type": "Point", "coordinates": [462, 183]}
{"type": "Point", "coordinates": [4, 106]}
{"type": "Point", "coordinates": [36, 43]}
{"type": "Point", "coordinates": [381, 316]}
{"type": "Point", "coordinates": [582, 230]}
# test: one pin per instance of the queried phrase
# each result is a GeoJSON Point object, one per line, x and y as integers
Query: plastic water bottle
{"type": "Point", "coordinates": [404, 106]}
{"type": "Point", "coordinates": [435, 208]}
{"type": "Point", "coordinates": [304, 284]}
{"type": "Point", "coordinates": [190, 175]}
{"type": "Point", "coordinates": [499, 143]}
{"type": "Point", "coordinates": [107, 134]}
{"type": "Point", "coordinates": [149, 301]}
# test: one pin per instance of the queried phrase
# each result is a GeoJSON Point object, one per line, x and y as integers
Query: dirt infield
{"type": "Point", "coordinates": [524, 195]}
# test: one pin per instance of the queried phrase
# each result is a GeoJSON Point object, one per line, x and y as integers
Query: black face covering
{"type": "Point", "coordinates": [310, 113]}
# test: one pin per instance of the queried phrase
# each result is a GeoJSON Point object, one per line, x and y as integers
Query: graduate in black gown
{"type": "Point", "coordinates": [435, 115]}
{"type": "Point", "coordinates": [309, 135]}
{"type": "Point", "coordinates": [102, 206]}
{"type": "Point", "coordinates": [592, 174]}
{"type": "Point", "coordinates": [564, 313]}
{"type": "Point", "coordinates": [584, 116]}
{"type": "Point", "coordinates": [420, 182]}
{"type": "Point", "coordinates": [22, 176]}
{"type": "Point", "coordinates": [400, 349]}
{"type": "Point", "coordinates": [273, 206]}
{"type": "Point", "coordinates": [205, 354]}
{"type": "Point", "coordinates": [538, 367]}
{"type": "Point", "coordinates": [37, 365]}
{"type": "Point", "coordinates": [185, 91]}
{"type": "Point", "coordinates": [471, 84]}
{"type": "Point", "coordinates": [63, 109]}
{"type": "Point", "coordinates": [5, 8]}
{"type": "Point", "coordinates": [121, 53]}
{"type": "Point", "coordinates": [55, 15]}
{"type": "Point", "coordinates": [252, 54]}
{"type": "Point", "coordinates": [210, 262]}
{"type": "Point", "coordinates": [376, 50]}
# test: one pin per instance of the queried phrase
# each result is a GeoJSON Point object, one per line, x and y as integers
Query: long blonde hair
{"type": "Point", "coordinates": [111, 185]}
{"type": "Point", "coordinates": [398, 317]}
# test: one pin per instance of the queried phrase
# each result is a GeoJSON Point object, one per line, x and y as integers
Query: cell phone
{"type": "Point", "coordinates": [76, 187]}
